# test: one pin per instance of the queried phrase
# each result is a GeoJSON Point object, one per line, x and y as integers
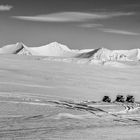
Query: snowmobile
{"type": "Point", "coordinates": [120, 98]}
{"type": "Point", "coordinates": [106, 99]}
{"type": "Point", "coordinates": [130, 99]}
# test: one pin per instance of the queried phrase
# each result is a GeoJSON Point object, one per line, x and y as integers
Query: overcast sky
{"type": "Point", "coordinates": [113, 24]}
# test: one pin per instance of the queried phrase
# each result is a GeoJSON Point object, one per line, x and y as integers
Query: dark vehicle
{"type": "Point", "coordinates": [120, 98]}
{"type": "Point", "coordinates": [130, 99]}
{"type": "Point", "coordinates": [106, 99]}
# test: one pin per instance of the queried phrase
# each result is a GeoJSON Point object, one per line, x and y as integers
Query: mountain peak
{"type": "Point", "coordinates": [55, 43]}
{"type": "Point", "coordinates": [58, 46]}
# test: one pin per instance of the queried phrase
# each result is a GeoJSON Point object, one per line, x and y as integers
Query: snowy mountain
{"type": "Point", "coordinates": [104, 54]}
{"type": "Point", "coordinates": [18, 48]}
{"type": "Point", "coordinates": [11, 49]}
{"type": "Point", "coordinates": [59, 50]}
{"type": "Point", "coordinates": [52, 49]}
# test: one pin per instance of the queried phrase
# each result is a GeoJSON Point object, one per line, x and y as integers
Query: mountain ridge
{"type": "Point", "coordinates": [56, 49]}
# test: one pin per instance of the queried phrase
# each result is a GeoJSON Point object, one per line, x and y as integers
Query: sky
{"type": "Point", "coordinates": [79, 24]}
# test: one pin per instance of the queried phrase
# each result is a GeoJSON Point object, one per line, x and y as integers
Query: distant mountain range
{"type": "Point", "coordinates": [58, 50]}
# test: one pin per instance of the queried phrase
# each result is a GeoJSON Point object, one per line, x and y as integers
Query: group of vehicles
{"type": "Point", "coordinates": [120, 98]}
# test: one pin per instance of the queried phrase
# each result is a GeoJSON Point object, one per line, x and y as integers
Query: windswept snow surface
{"type": "Point", "coordinates": [58, 100]}
{"type": "Point", "coordinates": [33, 74]}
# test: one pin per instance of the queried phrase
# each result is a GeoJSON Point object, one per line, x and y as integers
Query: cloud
{"type": "Point", "coordinates": [90, 25]}
{"type": "Point", "coordinates": [121, 32]}
{"type": "Point", "coordinates": [72, 16]}
{"type": "Point", "coordinates": [5, 7]}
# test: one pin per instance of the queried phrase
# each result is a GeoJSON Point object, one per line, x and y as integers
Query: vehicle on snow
{"type": "Point", "coordinates": [130, 99]}
{"type": "Point", "coordinates": [120, 98]}
{"type": "Point", "coordinates": [106, 99]}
